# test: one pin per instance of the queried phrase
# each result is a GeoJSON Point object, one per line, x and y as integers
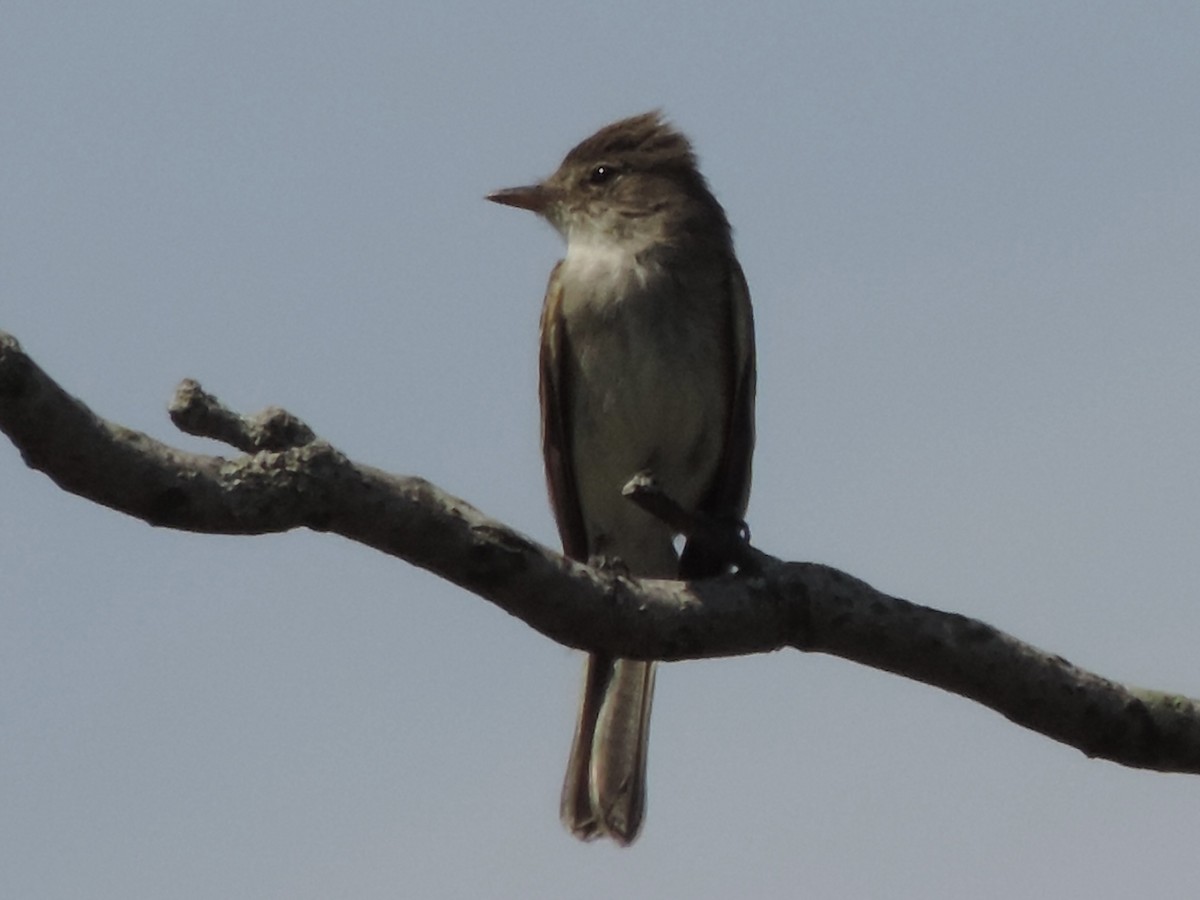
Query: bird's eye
{"type": "Point", "coordinates": [602, 174]}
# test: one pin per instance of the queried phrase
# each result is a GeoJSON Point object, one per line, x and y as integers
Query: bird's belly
{"type": "Point", "coordinates": [645, 397]}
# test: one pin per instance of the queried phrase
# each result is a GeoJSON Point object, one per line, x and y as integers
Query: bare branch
{"type": "Point", "coordinates": [291, 479]}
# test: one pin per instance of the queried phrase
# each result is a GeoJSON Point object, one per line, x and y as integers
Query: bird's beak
{"type": "Point", "coordinates": [533, 197]}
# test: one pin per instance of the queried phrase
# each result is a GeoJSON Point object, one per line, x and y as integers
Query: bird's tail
{"type": "Point", "coordinates": [604, 793]}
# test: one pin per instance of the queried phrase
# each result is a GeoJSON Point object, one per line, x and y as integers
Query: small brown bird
{"type": "Point", "coordinates": [647, 364]}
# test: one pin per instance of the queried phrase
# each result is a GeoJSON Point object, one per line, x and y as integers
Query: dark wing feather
{"type": "Point", "coordinates": [554, 391]}
{"type": "Point", "coordinates": [730, 489]}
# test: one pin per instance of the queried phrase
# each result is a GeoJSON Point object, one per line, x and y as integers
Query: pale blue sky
{"type": "Point", "coordinates": [971, 237]}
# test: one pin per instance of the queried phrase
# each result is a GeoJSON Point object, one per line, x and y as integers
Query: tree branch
{"type": "Point", "coordinates": [289, 478]}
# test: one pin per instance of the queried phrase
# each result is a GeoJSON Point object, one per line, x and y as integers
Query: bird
{"type": "Point", "coordinates": [646, 365]}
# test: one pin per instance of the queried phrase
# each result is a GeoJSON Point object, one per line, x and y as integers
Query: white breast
{"type": "Point", "coordinates": [607, 265]}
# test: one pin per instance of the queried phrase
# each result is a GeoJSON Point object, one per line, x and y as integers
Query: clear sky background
{"type": "Point", "coordinates": [972, 237]}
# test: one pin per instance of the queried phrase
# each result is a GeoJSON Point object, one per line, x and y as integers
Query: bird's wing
{"type": "Point", "coordinates": [554, 391]}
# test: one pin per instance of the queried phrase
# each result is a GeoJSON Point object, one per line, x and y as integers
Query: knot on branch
{"type": "Point", "coordinates": [197, 412]}
{"type": "Point", "coordinates": [722, 538]}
